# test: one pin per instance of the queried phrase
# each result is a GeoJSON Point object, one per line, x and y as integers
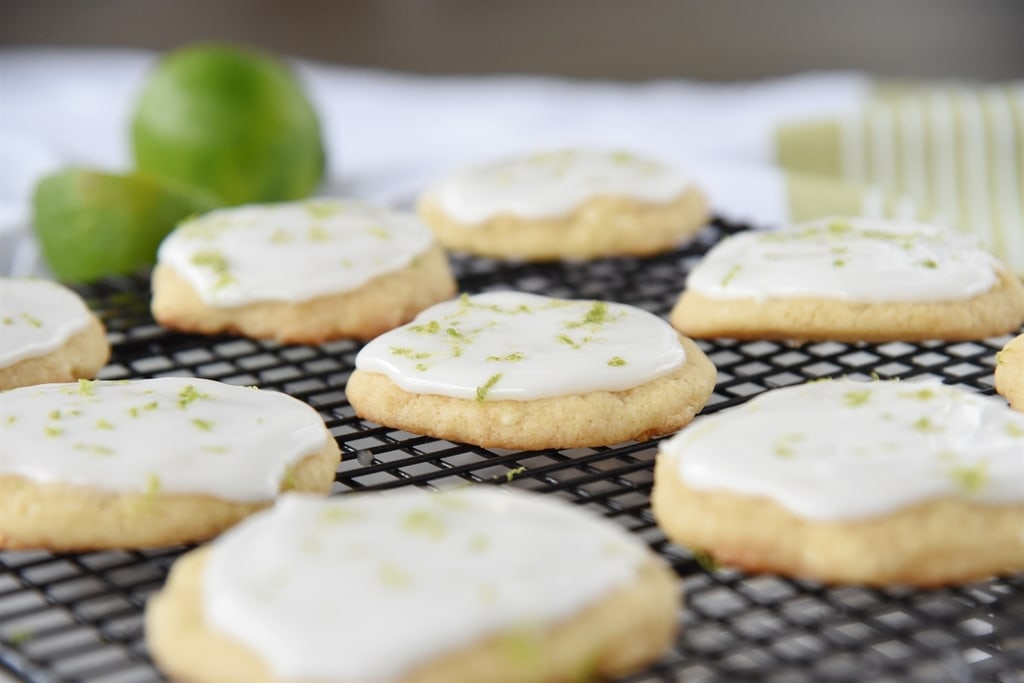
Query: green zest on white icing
{"type": "Point", "coordinates": [37, 317]}
{"type": "Point", "coordinates": [847, 450]}
{"type": "Point", "coordinates": [852, 259]}
{"type": "Point", "coordinates": [291, 251]}
{"type": "Point", "coordinates": [553, 183]}
{"type": "Point", "coordinates": [517, 346]}
{"type": "Point", "coordinates": [489, 560]}
{"type": "Point", "coordinates": [187, 435]}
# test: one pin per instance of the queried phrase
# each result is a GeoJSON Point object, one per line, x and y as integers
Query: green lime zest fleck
{"type": "Point", "coordinates": [839, 228]}
{"type": "Point", "coordinates": [424, 523]}
{"type": "Point", "coordinates": [336, 515]}
{"type": "Point", "coordinates": [52, 431]}
{"type": "Point", "coordinates": [211, 258]}
{"type": "Point", "coordinates": [479, 543]}
{"type": "Point", "coordinates": [20, 636]}
{"type": "Point", "coordinates": [857, 397]}
{"type": "Point", "coordinates": [839, 263]}
{"type": "Point", "coordinates": [569, 341]}
{"type": "Point", "coordinates": [616, 361]}
{"type": "Point", "coordinates": [11, 419]}
{"type": "Point", "coordinates": [925, 424]}
{"type": "Point", "coordinates": [317, 234]}
{"type": "Point", "coordinates": [214, 449]}
{"type": "Point", "coordinates": [379, 232]}
{"type": "Point", "coordinates": [729, 276]}
{"type": "Point", "coordinates": [433, 327]}
{"type": "Point", "coordinates": [392, 576]}
{"type": "Point", "coordinates": [481, 392]}
{"type": "Point", "coordinates": [513, 473]}
{"type": "Point", "coordinates": [32, 320]}
{"type": "Point", "coordinates": [94, 448]}
{"type": "Point", "coordinates": [408, 352]}
{"type": "Point", "coordinates": [1014, 429]}
{"type": "Point", "coordinates": [188, 395]}
{"type": "Point", "coordinates": [281, 236]}
{"type": "Point", "coordinates": [85, 387]}
{"type": "Point", "coordinates": [54, 414]}
{"type": "Point", "coordinates": [422, 367]}
{"type": "Point", "coordinates": [205, 425]}
{"type": "Point", "coordinates": [512, 357]}
{"type": "Point", "coordinates": [784, 447]}
{"type": "Point", "coordinates": [452, 332]}
{"type": "Point", "coordinates": [920, 394]}
{"type": "Point", "coordinates": [8, 320]}
{"type": "Point", "coordinates": [104, 424]}
{"type": "Point", "coordinates": [597, 314]}
{"type": "Point", "coordinates": [928, 263]}
{"type": "Point", "coordinates": [970, 478]}
{"type": "Point", "coordinates": [318, 210]}
{"type": "Point", "coordinates": [705, 561]}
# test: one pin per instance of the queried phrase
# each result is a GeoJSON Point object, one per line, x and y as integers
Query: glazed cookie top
{"type": "Point", "coordinates": [553, 183]}
{"type": "Point", "coordinates": [380, 568]}
{"type": "Point", "coordinates": [518, 346]}
{"type": "Point", "coordinates": [168, 435]}
{"type": "Point", "coordinates": [834, 450]}
{"type": "Point", "coordinates": [291, 251]}
{"type": "Point", "coordinates": [37, 317]}
{"type": "Point", "coordinates": [850, 259]}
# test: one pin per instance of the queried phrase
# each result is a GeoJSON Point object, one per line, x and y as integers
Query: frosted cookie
{"type": "Point", "coordinates": [852, 482]}
{"type": "Point", "coordinates": [478, 584]}
{"type": "Point", "coordinates": [47, 334]}
{"type": "Point", "coordinates": [301, 272]}
{"type": "Point", "coordinates": [516, 370]}
{"type": "Point", "coordinates": [565, 204]}
{"type": "Point", "coordinates": [1010, 372]}
{"type": "Point", "coordinates": [133, 464]}
{"type": "Point", "coordinates": [850, 280]}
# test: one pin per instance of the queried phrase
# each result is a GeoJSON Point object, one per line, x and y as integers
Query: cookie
{"type": "Point", "coordinates": [144, 463]}
{"type": "Point", "coordinates": [476, 584]}
{"type": "Point", "coordinates": [1010, 372]}
{"type": "Point", "coordinates": [850, 280]}
{"type": "Point", "coordinates": [300, 272]}
{"type": "Point", "coordinates": [47, 334]}
{"type": "Point", "coordinates": [874, 483]}
{"type": "Point", "coordinates": [516, 370]}
{"type": "Point", "coordinates": [565, 204]}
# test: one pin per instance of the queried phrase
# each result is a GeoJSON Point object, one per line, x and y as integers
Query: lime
{"type": "Point", "coordinates": [93, 224]}
{"type": "Point", "coordinates": [229, 120]}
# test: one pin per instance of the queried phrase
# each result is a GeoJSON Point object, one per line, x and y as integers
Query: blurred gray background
{"type": "Point", "coordinates": [620, 39]}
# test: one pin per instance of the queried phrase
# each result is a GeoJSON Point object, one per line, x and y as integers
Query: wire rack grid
{"type": "Point", "coordinates": [78, 617]}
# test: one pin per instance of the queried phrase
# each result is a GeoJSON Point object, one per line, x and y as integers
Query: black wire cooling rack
{"type": "Point", "coordinates": [78, 617]}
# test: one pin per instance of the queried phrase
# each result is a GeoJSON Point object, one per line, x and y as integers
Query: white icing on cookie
{"type": "Point", "coordinates": [849, 259]}
{"type": "Point", "coordinates": [37, 317]}
{"type": "Point", "coordinates": [549, 184]}
{"type": "Point", "coordinates": [367, 587]}
{"type": "Point", "coordinates": [842, 449]}
{"type": "Point", "coordinates": [293, 251]}
{"type": "Point", "coordinates": [518, 346]}
{"type": "Point", "coordinates": [169, 435]}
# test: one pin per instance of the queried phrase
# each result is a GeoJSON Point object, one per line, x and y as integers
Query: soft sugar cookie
{"type": "Point", "coordinates": [133, 464]}
{"type": "Point", "coordinates": [559, 204]}
{"type": "Point", "coordinates": [516, 370]}
{"type": "Point", "coordinates": [47, 334]}
{"type": "Point", "coordinates": [478, 584]}
{"type": "Point", "coordinates": [1010, 372]}
{"type": "Point", "coordinates": [850, 280]}
{"type": "Point", "coordinates": [299, 272]}
{"type": "Point", "coordinates": [852, 482]}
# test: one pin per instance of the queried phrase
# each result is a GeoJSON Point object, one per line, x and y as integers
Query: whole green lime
{"type": "Point", "coordinates": [230, 120]}
{"type": "Point", "coordinates": [92, 224]}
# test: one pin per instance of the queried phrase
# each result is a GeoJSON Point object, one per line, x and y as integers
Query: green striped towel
{"type": "Point", "coordinates": [950, 154]}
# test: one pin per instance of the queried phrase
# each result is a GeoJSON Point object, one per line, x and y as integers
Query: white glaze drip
{"type": "Point", "coordinates": [849, 259]}
{"type": "Point", "coordinates": [293, 251]}
{"type": "Point", "coordinates": [842, 449]}
{"type": "Point", "coordinates": [367, 587]}
{"type": "Point", "coordinates": [549, 184]}
{"type": "Point", "coordinates": [174, 435]}
{"type": "Point", "coordinates": [37, 317]}
{"type": "Point", "coordinates": [518, 346]}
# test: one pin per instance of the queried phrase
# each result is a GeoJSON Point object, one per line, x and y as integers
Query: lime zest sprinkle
{"type": "Point", "coordinates": [379, 232]}
{"type": "Point", "coordinates": [424, 523]}
{"type": "Point", "coordinates": [392, 576]}
{"type": "Point", "coordinates": [52, 431]}
{"type": "Point", "coordinates": [11, 419]}
{"type": "Point", "coordinates": [705, 561]}
{"type": "Point", "coordinates": [205, 425]}
{"type": "Point", "coordinates": [214, 449]}
{"type": "Point", "coordinates": [1014, 429]}
{"type": "Point", "coordinates": [925, 424]}
{"type": "Point", "coordinates": [733, 272]}
{"type": "Point", "coordinates": [513, 473]}
{"type": "Point", "coordinates": [616, 361]}
{"type": "Point", "coordinates": [408, 352]}
{"type": "Point", "coordinates": [857, 397]}
{"type": "Point", "coordinates": [280, 236]}
{"type": "Point", "coordinates": [316, 233]}
{"type": "Point", "coordinates": [433, 327]}
{"type": "Point", "coordinates": [512, 357]}
{"type": "Point", "coordinates": [321, 209]}
{"type": "Point", "coordinates": [94, 448]}
{"type": "Point", "coordinates": [970, 478]}
{"type": "Point", "coordinates": [920, 394]}
{"type": "Point", "coordinates": [839, 263]}
{"type": "Point", "coordinates": [20, 636]}
{"type": "Point", "coordinates": [188, 395]}
{"type": "Point", "coordinates": [32, 320]}
{"type": "Point", "coordinates": [335, 514]}
{"type": "Point", "coordinates": [85, 387]}
{"type": "Point", "coordinates": [104, 424]}
{"type": "Point", "coordinates": [479, 543]}
{"type": "Point", "coordinates": [566, 339]}
{"type": "Point", "coordinates": [928, 263]}
{"type": "Point", "coordinates": [481, 392]}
